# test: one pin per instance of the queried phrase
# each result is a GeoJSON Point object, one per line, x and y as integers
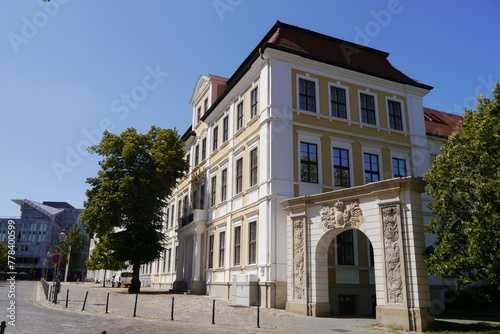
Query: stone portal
{"type": "Point", "coordinates": [389, 213]}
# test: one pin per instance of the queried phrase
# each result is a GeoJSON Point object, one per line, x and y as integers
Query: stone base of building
{"type": "Point", "coordinates": [400, 317]}
{"type": "Point", "coordinates": [197, 287]}
{"type": "Point", "coordinates": [310, 309]}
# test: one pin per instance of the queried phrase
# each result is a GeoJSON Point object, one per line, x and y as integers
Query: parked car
{"type": "Point", "coordinates": [125, 279]}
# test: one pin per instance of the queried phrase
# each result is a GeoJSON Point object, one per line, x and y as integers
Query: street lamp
{"type": "Point", "coordinates": [47, 261]}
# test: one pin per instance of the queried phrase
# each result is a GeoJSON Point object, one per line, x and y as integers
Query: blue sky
{"type": "Point", "coordinates": [72, 68]}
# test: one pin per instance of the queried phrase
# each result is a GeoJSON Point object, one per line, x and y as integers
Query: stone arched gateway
{"type": "Point", "coordinates": [389, 213]}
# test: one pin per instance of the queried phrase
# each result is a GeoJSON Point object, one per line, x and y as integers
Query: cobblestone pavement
{"type": "Point", "coordinates": [192, 314]}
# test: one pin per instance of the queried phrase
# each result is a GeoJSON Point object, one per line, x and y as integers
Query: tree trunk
{"type": "Point", "coordinates": [135, 286]}
{"type": "Point", "coordinates": [104, 280]}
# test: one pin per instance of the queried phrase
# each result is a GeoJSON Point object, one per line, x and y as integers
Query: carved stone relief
{"type": "Point", "coordinates": [341, 215]}
{"type": "Point", "coordinates": [298, 259]}
{"type": "Point", "coordinates": [392, 254]}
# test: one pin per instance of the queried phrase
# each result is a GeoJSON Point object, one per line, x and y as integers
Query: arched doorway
{"type": "Point", "coordinates": [351, 275]}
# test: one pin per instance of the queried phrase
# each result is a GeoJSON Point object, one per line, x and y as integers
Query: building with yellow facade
{"type": "Point", "coordinates": [304, 189]}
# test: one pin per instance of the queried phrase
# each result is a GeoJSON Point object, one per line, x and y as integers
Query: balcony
{"type": "Point", "coordinates": [196, 215]}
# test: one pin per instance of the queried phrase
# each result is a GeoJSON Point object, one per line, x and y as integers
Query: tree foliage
{"type": "Point", "coordinates": [126, 199]}
{"type": "Point", "coordinates": [102, 258]}
{"type": "Point", "coordinates": [464, 180]}
{"type": "Point", "coordinates": [4, 250]}
{"type": "Point", "coordinates": [78, 242]}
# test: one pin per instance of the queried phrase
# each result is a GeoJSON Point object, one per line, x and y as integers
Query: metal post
{"type": "Point", "coordinates": [213, 313]}
{"type": "Point", "coordinates": [67, 297]}
{"type": "Point", "coordinates": [258, 303]}
{"type": "Point", "coordinates": [85, 301]}
{"type": "Point", "coordinates": [49, 296]}
{"type": "Point", "coordinates": [172, 310]}
{"type": "Point", "coordinates": [135, 306]}
{"type": "Point", "coordinates": [107, 303]}
{"type": "Point", "coordinates": [67, 265]}
{"type": "Point", "coordinates": [2, 327]}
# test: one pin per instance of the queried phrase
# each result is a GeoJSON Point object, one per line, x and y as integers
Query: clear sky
{"type": "Point", "coordinates": [72, 68]}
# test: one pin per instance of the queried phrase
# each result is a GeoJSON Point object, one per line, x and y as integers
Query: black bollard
{"type": "Point", "coordinates": [258, 314]}
{"type": "Point", "coordinates": [213, 313]}
{"type": "Point", "coordinates": [172, 310]}
{"type": "Point", "coordinates": [67, 297]}
{"type": "Point", "coordinates": [135, 305]}
{"type": "Point", "coordinates": [107, 303]}
{"type": "Point", "coordinates": [2, 327]}
{"type": "Point", "coordinates": [85, 301]}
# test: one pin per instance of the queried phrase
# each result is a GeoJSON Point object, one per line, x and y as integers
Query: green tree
{"type": "Point", "coordinates": [102, 258]}
{"type": "Point", "coordinates": [4, 252]}
{"type": "Point", "coordinates": [127, 197]}
{"type": "Point", "coordinates": [76, 244]}
{"type": "Point", "coordinates": [464, 181]}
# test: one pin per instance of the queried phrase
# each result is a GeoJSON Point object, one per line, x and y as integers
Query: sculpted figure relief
{"type": "Point", "coordinates": [298, 259]}
{"type": "Point", "coordinates": [341, 215]}
{"type": "Point", "coordinates": [392, 254]}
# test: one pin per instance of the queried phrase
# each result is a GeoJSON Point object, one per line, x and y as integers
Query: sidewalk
{"type": "Point", "coordinates": [193, 310]}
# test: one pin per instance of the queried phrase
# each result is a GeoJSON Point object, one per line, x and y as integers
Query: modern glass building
{"type": "Point", "coordinates": [36, 234]}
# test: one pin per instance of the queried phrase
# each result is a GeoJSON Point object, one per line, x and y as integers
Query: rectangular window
{"type": "Point", "coordinates": [239, 175]}
{"type": "Point", "coordinates": [399, 167]}
{"type": "Point", "coordinates": [198, 114]}
{"type": "Point", "coordinates": [202, 197]}
{"type": "Point", "coordinates": [179, 209]}
{"type": "Point", "coordinates": [338, 102]}
{"type": "Point", "coordinates": [186, 206]}
{"type": "Point", "coordinates": [176, 260]}
{"type": "Point", "coordinates": [211, 251]}
{"type": "Point", "coordinates": [308, 162]}
{"type": "Point", "coordinates": [203, 149]}
{"type": "Point", "coordinates": [215, 138]}
{"type": "Point", "coordinates": [307, 95]}
{"type": "Point", "coordinates": [205, 105]}
{"type": "Point", "coordinates": [341, 177]}
{"type": "Point", "coordinates": [253, 167]}
{"type": "Point", "coordinates": [237, 245]}
{"type": "Point", "coordinates": [194, 201]}
{"type": "Point", "coordinates": [368, 109]}
{"type": "Point", "coordinates": [239, 116]}
{"type": "Point", "coordinates": [254, 103]}
{"type": "Point", "coordinates": [214, 191]}
{"type": "Point", "coordinates": [196, 155]}
{"type": "Point", "coordinates": [222, 242]}
{"type": "Point", "coordinates": [252, 242]}
{"type": "Point", "coordinates": [167, 217]}
{"type": "Point", "coordinates": [169, 260]}
{"type": "Point", "coordinates": [395, 116]}
{"type": "Point", "coordinates": [225, 129]}
{"type": "Point", "coordinates": [345, 248]}
{"type": "Point", "coordinates": [223, 188]}
{"type": "Point", "coordinates": [372, 173]}
{"type": "Point", "coordinates": [172, 208]}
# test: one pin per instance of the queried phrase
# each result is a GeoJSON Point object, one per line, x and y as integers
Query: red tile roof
{"type": "Point", "coordinates": [330, 50]}
{"type": "Point", "coordinates": [440, 123]}
{"type": "Point", "coordinates": [323, 48]}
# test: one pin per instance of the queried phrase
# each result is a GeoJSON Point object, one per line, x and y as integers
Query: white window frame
{"type": "Point", "coordinates": [310, 138]}
{"type": "Point", "coordinates": [345, 144]}
{"type": "Point", "coordinates": [375, 104]}
{"type": "Point", "coordinates": [347, 100]}
{"type": "Point", "coordinates": [373, 149]}
{"type": "Point", "coordinates": [316, 92]}
{"type": "Point", "coordinates": [402, 155]}
{"type": "Point", "coordinates": [403, 118]}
